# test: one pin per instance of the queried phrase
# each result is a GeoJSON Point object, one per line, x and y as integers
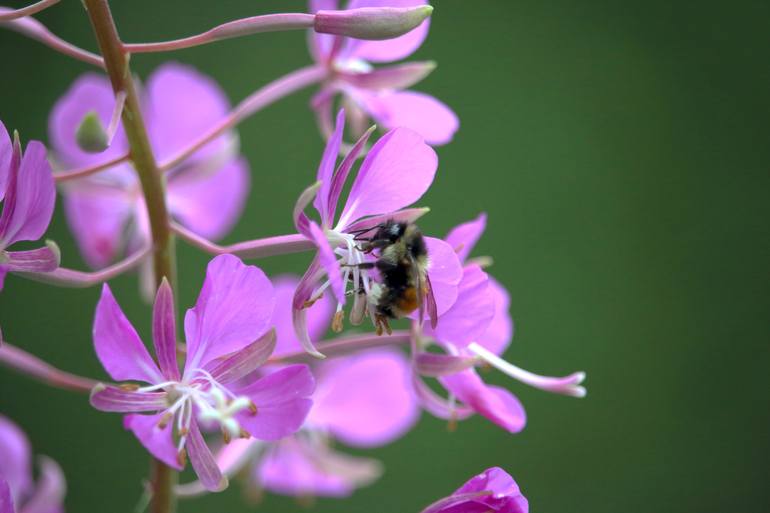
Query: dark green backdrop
{"type": "Point", "coordinates": [621, 151]}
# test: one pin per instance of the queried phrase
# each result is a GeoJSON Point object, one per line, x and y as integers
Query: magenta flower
{"type": "Point", "coordinates": [227, 338]}
{"type": "Point", "coordinates": [364, 400]}
{"type": "Point", "coordinates": [492, 491]}
{"type": "Point", "coordinates": [28, 195]}
{"type": "Point", "coordinates": [478, 329]}
{"type": "Point", "coordinates": [206, 193]}
{"type": "Point", "coordinates": [379, 94]}
{"type": "Point", "coordinates": [18, 491]}
{"type": "Point", "coordinates": [395, 173]}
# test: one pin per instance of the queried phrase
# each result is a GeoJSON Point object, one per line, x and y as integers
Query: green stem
{"type": "Point", "coordinates": [116, 63]}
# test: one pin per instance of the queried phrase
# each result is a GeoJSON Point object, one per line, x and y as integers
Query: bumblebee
{"type": "Point", "coordinates": [402, 261]}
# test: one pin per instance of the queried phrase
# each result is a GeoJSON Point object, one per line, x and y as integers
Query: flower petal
{"type": "Point", "coordinates": [283, 401]}
{"type": "Point", "coordinates": [233, 309]}
{"type": "Point", "coordinates": [115, 399]}
{"type": "Point", "coordinates": [244, 361]}
{"type": "Point", "coordinates": [494, 403]}
{"type": "Point", "coordinates": [29, 198]}
{"type": "Point", "coordinates": [326, 168]}
{"type": "Point", "coordinates": [341, 176]}
{"type": "Point", "coordinates": [399, 76]}
{"type": "Point", "coordinates": [41, 260]}
{"type": "Point", "coordinates": [318, 316]}
{"type": "Point", "coordinates": [396, 172]}
{"type": "Point", "coordinates": [49, 492]}
{"type": "Point", "coordinates": [203, 461]}
{"type": "Point", "coordinates": [210, 204]}
{"type": "Point", "coordinates": [89, 93]}
{"type": "Point", "coordinates": [301, 221]}
{"type": "Point", "coordinates": [463, 237]}
{"type": "Point", "coordinates": [6, 149]}
{"type": "Point", "coordinates": [499, 333]}
{"type": "Point", "coordinates": [445, 273]}
{"type": "Point", "coordinates": [328, 261]}
{"type": "Point", "coordinates": [471, 313]}
{"type": "Point", "coordinates": [97, 215]}
{"type": "Point", "coordinates": [299, 310]}
{"type": "Point", "coordinates": [164, 331]}
{"type": "Point", "coordinates": [6, 501]}
{"type": "Point", "coordinates": [182, 104]}
{"type": "Point", "coordinates": [436, 405]}
{"type": "Point", "coordinates": [505, 494]}
{"type": "Point", "coordinates": [365, 400]}
{"type": "Point", "coordinates": [390, 49]}
{"type": "Point", "coordinates": [118, 346]}
{"type": "Point", "coordinates": [420, 112]}
{"type": "Point", "coordinates": [15, 464]}
{"type": "Point", "coordinates": [432, 364]}
{"type": "Point", "coordinates": [320, 45]}
{"type": "Point", "coordinates": [158, 441]}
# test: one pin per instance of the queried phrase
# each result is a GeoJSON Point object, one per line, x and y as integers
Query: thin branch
{"type": "Point", "coordinates": [32, 366]}
{"type": "Point", "coordinates": [70, 278]}
{"type": "Point", "coordinates": [260, 248]}
{"type": "Point", "coordinates": [33, 29]}
{"type": "Point", "coordinates": [236, 28]}
{"type": "Point", "coordinates": [272, 92]}
{"type": "Point", "coordinates": [27, 11]}
{"type": "Point", "coordinates": [346, 345]}
{"type": "Point", "coordinates": [82, 172]}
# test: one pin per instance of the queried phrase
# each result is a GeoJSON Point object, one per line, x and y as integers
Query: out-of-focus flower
{"type": "Point", "coordinates": [364, 400]}
{"type": "Point", "coordinates": [395, 173]}
{"type": "Point", "coordinates": [492, 491]}
{"type": "Point", "coordinates": [18, 491]}
{"type": "Point", "coordinates": [378, 93]}
{"type": "Point", "coordinates": [227, 338]}
{"type": "Point", "coordinates": [477, 329]}
{"type": "Point", "coordinates": [206, 193]}
{"type": "Point", "coordinates": [28, 195]}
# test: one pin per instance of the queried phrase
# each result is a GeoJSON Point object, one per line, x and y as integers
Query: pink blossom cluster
{"type": "Point", "coordinates": [249, 382]}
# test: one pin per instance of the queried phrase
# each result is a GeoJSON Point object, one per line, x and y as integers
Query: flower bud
{"type": "Point", "coordinates": [373, 23]}
{"type": "Point", "coordinates": [91, 135]}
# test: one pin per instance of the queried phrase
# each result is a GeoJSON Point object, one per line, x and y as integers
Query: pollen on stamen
{"type": "Point", "coordinates": [129, 387]}
{"type": "Point", "coordinates": [164, 420]}
{"type": "Point", "coordinates": [337, 321]}
{"type": "Point", "coordinates": [252, 408]}
{"type": "Point", "coordinates": [181, 457]}
{"type": "Point", "coordinates": [226, 436]}
{"type": "Point", "coordinates": [244, 434]}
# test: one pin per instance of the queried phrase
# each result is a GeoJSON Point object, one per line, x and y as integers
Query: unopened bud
{"type": "Point", "coordinates": [373, 23]}
{"type": "Point", "coordinates": [91, 135]}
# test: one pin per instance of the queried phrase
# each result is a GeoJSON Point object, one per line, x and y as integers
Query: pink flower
{"type": "Point", "coordinates": [492, 491]}
{"type": "Point", "coordinates": [227, 338]}
{"type": "Point", "coordinates": [28, 195]}
{"type": "Point", "coordinates": [477, 329]}
{"type": "Point", "coordinates": [205, 194]}
{"type": "Point", "coordinates": [395, 173]}
{"type": "Point", "coordinates": [17, 487]}
{"type": "Point", "coordinates": [364, 400]}
{"type": "Point", "coordinates": [379, 94]}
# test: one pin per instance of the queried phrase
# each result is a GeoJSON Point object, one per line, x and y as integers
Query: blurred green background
{"type": "Point", "coordinates": [621, 151]}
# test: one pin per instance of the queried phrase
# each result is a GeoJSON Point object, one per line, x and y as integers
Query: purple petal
{"type": "Point", "coordinates": [301, 221]}
{"type": "Point", "coordinates": [494, 403]}
{"type": "Point", "coordinates": [89, 93]}
{"type": "Point", "coordinates": [6, 149]}
{"type": "Point", "coordinates": [242, 362]}
{"type": "Point", "coordinates": [304, 290]}
{"type": "Point", "coordinates": [399, 76]}
{"type": "Point", "coordinates": [164, 331]}
{"type": "Point", "coordinates": [436, 405]}
{"type": "Point", "coordinates": [115, 399]}
{"type": "Point", "coordinates": [15, 464]}
{"type": "Point", "coordinates": [203, 461]}
{"type": "Point", "coordinates": [328, 261]}
{"type": "Point", "coordinates": [233, 310]}
{"type": "Point", "coordinates": [420, 112]}
{"type": "Point", "coordinates": [233, 456]}
{"type": "Point", "coordinates": [318, 316]}
{"type": "Point", "coordinates": [432, 364]}
{"type": "Point", "coordinates": [325, 173]}
{"type": "Point", "coordinates": [299, 467]}
{"type": "Point", "coordinates": [445, 273]}
{"type": "Point", "coordinates": [470, 315]}
{"type": "Point", "coordinates": [499, 333]}
{"type": "Point", "coordinates": [283, 401]}
{"type": "Point", "coordinates": [390, 49]}
{"type": "Point", "coordinates": [407, 215]}
{"type": "Point", "coordinates": [6, 501]}
{"type": "Point", "coordinates": [182, 105]}
{"type": "Point", "coordinates": [395, 173]}
{"type": "Point", "coordinates": [97, 215]}
{"type": "Point", "coordinates": [210, 204]}
{"type": "Point", "coordinates": [49, 492]}
{"type": "Point", "coordinates": [118, 346]}
{"type": "Point", "coordinates": [158, 441]}
{"type": "Point", "coordinates": [505, 495]}
{"type": "Point", "coordinates": [344, 170]}
{"type": "Point", "coordinates": [320, 45]}
{"type": "Point", "coordinates": [365, 400]}
{"type": "Point", "coordinates": [463, 237]}
{"type": "Point", "coordinates": [41, 260]}
{"type": "Point", "coordinates": [29, 198]}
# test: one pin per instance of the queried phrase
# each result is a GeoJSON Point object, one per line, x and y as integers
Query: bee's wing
{"type": "Point", "coordinates": [431, 300]}
{"type": "Point", "coordinates": [417, 279]}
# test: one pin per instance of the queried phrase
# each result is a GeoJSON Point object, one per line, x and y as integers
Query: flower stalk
{"type": "Point", "coordinates": [32, 366]}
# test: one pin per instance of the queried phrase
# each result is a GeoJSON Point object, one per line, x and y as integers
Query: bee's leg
{"type": "Point", "coordinates": [364, 265]}
{"type": "Point", "coordinates": [381, 324]}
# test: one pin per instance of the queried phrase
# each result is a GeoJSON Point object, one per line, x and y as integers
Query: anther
{"type": "Point", "coordinates": [226, 436]}
{"type": "Point", "coordinates": [181, 457]}
{"type": "Point", "coordinates": [129, 387]}
{"type": "Point", "coordinates": [244, 434]}
{"type": "Point", "coordinates": [184, 431]}
{"type": "Point", "coordinates": [164, 420]}
{"type": "Point", "coordinates": [337, 321]}
{"type": "Point", "coordinates": [252, 408]}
